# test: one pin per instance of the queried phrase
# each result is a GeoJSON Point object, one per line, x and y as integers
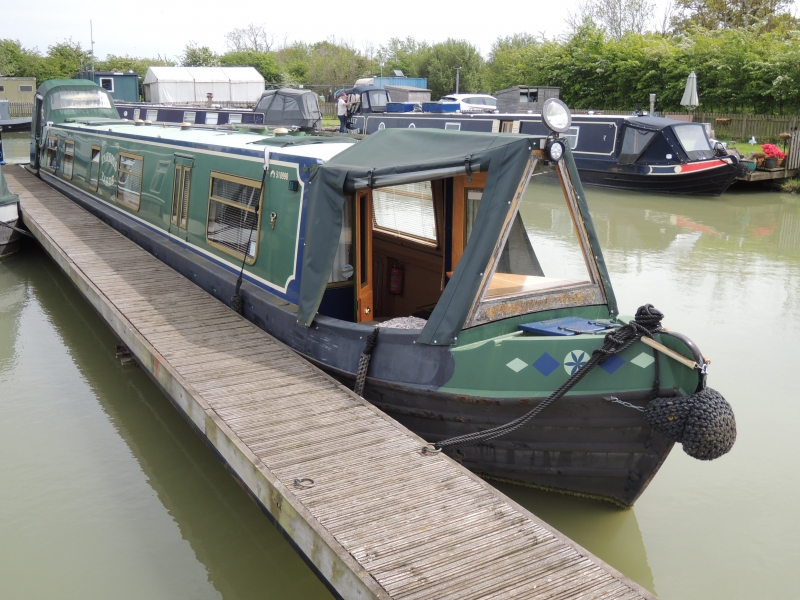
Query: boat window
{"type": "Point", "coordinates": [490, 101]}
{"type": "Point", "coordinates": [476, 100]}
{"type": "Point", "coordinates": [232, 216]}
{"type": "Point", "coordinates": [694, 141]}
{"type": "Point", "coordinates": [151, 115]}
{"type": "Point", "coordinates": [107, 83]}
{"type": "Point", "coordinates": [78, 99]}
{"type": "Point", "coordinates": [94, 168]}
{"type": "Point", "coordinates": [189, 116]}
{"type": "Point", "coordinates": [129, 184]}
{"type": "Point", "coordinates": [633, 143]}
{"type": "Point", "coordinates": [51, 159]}
{"type": "Point", "coordinates": [406, 210]}
{"type": "Point", "coordinates": [68, 163]}
{"type": "Point", "coordinates": [234, 118]}
{"type": "Point", "coordinates": [26, 88]}
{"type": "Point", "coordinates": [543, 251]}
{"type": "Point", "coordinates": [453, 126]}
{"type": "Point", "coordinates": [136, 112]}
{"type": "Point", "coordinates": [378, 99]}
{"type": "Point", "coordinates": [572, 137]}
{"type": "Point", "coordinates": [212, 118]}
{"type": "Point", "coordinates": [342, 262]}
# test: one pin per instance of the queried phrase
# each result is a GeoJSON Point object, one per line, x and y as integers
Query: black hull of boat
{"type": "Point", "coordinates": [15, 125]}
{"type": "Point", "coordinates": [10, 240]}
{"type": "Point", "coordinates": [581, 445]}
{"type": "Point", "coordinates": [698, 183]}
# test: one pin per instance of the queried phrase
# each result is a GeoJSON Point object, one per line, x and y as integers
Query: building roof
{"type": "Point", "coordinates": [204, 74]}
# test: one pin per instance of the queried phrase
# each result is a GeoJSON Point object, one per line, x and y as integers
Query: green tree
{"type": "Point", "coordinates": [438, 63]}
{"type": "Point", "coordinates": [726, 14]}
{"type": "Point", "coordinates": [18, 61]}
{"type": "Point", "coordinates": [199, 56]}
{"type": "Point", "coordinates": [403, 55]}
{"type": "Point", "coordinates": [125, 63]}
{"type": "Point", "coordinates": [264, 63]}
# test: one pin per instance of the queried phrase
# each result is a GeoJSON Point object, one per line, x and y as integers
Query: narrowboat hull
{"type": "Point", "coordinates": [581, 445]}
{"type": "Point", "coordinates": [712, 181]}
{"type": "Point", "coordinates": [10, 239]}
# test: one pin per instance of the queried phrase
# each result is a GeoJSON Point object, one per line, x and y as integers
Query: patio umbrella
{"type": "Point", "coordinates": [690, 99]}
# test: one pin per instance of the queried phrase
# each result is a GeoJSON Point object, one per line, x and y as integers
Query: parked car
{"type": "Point", "coordinates": [473, 102]}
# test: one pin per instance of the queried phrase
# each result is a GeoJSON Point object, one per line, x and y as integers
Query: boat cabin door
{"type": "Point", "coordinates": [365, 309]}
{"type": "Point", "coordinates": [181, 190]}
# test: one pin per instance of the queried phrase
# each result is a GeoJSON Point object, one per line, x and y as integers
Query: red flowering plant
{"type": "Point", "coordinates": [772, 151]}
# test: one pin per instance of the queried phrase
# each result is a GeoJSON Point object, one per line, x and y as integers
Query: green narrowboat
{"type": "Point", "coordinates": [454, 278]}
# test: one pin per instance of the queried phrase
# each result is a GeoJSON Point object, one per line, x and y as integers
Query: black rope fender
{"type": "Point", "coordinates": [363, 361]}
{"type": "Point", "coordinates": [703, 421]}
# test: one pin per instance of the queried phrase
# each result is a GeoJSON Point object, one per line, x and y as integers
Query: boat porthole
{"type": "Point", "coordinates": [381, 126]}
{"type": "Point", "coordinates": [412, 126]}
{"type": "Point", "coordinates": [678, 169]}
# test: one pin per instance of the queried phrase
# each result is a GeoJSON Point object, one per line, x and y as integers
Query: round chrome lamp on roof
{"type": "Point", "coordinates": [556, 115]}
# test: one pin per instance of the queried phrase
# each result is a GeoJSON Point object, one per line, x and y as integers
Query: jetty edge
{"type": "Point", "coordinates": [348, 486]}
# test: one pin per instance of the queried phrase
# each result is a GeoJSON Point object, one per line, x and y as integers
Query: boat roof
{"type": "Point", "coordinates": [221, 140]}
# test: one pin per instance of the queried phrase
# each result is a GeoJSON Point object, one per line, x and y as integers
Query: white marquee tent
{"type": "Point", "coordinates": [166, 85]}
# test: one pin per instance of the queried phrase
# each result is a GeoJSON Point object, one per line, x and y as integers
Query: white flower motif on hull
{"type": "Point", "coordinates": [574, 361]}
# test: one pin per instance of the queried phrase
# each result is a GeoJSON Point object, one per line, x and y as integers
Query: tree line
{"type": "Point", "coordinates": [746, 54]}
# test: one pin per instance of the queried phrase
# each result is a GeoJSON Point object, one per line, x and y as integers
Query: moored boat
{"type": "Point", "coordinates": [10, 236]}
{"type": "Point", "coordinates": [420, 267]}
{"type": "Point", "coordinates": [648, 154]}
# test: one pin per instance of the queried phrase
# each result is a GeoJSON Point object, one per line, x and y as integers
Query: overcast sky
{"type": "Point", "coordinates": [152, 27]}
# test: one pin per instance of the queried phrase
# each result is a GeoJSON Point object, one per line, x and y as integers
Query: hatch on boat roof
{"type": "Point", "coordinates": [565, 326]}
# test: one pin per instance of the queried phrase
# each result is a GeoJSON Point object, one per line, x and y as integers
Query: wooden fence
{"type": "Point", "coordinates": [328, 110]}
{"type": "Point", "coordinates": [732, 126]}
{"type": "Point", "coordinates": [20, 109]}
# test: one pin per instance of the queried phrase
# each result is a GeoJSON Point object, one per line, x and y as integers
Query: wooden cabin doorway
{"type": "Point", "coordinates": [363, 272]}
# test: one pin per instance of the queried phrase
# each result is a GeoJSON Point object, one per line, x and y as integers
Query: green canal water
{"type": "Point", "coordinates": [105, 491]}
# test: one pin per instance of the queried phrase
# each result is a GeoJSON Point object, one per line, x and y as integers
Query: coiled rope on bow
{"type": "Point", "coordinates": [646, 322]}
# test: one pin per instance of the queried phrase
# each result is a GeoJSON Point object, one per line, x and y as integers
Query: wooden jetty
{"type": "Point", "coordinates": [347, 485]}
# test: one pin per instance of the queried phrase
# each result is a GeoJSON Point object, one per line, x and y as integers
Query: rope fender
{"type": "Point", "coordinates": [363, 361]}
{"type": "Point", "coordinates": [703, 422]}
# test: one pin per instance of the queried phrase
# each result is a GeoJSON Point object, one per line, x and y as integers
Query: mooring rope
{"type": "Point", "coordinates": [237, 303]}
{"type": "Point", "coordinates": [646, 322]}
{"type": "Point", "coordinates": [703, 422]}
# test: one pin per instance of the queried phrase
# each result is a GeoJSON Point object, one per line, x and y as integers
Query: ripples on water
{"type": "Point", "coordinates": [106, 492]}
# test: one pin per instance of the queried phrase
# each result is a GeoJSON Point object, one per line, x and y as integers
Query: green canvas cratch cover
{"type": "Point", "coordinates": [6, 196]}
{"type": "Point", "coordinates": [415, 151]}
{"type": "Point", "coordinates": [74, 98]}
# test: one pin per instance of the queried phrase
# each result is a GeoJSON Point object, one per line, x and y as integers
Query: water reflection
{"type": "Point", "coordinates": [231, 541]}
{"type": "Point", "coordinates": [726, 272]}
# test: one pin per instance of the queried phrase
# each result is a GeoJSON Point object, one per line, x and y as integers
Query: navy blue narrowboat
{"type": "Point", "coordinates": [649, 154]}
